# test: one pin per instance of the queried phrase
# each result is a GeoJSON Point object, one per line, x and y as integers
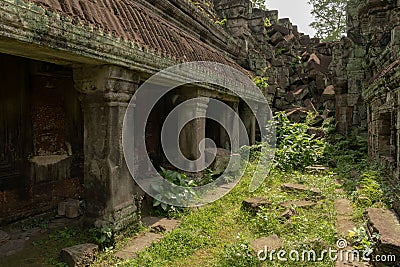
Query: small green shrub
{"type": "Point", "coordinates": [295, 148]}
{"type": "Point", "coordinates": [370, 189]}
{"type": "Point", "coordinates": [176, 178]}
{"type": "Point", "coordinates": [104, 237]}
{"type": "Point", "coordinates": [261, 82]}
{"type": "Point", "coordinates": [361, 241]}
{"type": "Point", "coordinates": [267, 22]}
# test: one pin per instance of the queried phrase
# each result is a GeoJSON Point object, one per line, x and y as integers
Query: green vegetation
{"type": "Point", "coordinates": [296, 148]}
{"type": "Point", "coordinates": [176, 178]}
{"type": "Point", "coordinates": [221, 22]}
{"type": "Point", "coordinates": [261, 82]}
{"type": "Point", "coordinates": [259, 4]}
{"type": "Point", "coordinates": [361, 241]}
{"type": "Point", "coordinates": [330, 18]}
{"type": "Point", "coordinates": [267, 22]}
{"type": "Point", "coordinates": [219, 234]}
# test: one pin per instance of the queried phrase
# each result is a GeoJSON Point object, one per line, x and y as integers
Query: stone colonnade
{"type": "Point", "coordinates": [111, 193]}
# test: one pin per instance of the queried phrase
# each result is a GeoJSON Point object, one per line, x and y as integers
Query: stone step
{"type": "Point", "coordinates": [158, 226]}
{"type": "Point", "coordinates": [255, 203]}
{"type": "Point", "coordinates": [344, 223]}
{"type": "Point", "coordinates": [298, 204]}
{"type": "Point", "coordinates": [386, 223]}
{"type": "Point", "coordinates": [269, 243]}
{"type": "Point", "coordinates": [344, 213]}
{"type": "Point", "coordinates": [157, 223]}
{"type": "Point", "coordinates": [300, 188]}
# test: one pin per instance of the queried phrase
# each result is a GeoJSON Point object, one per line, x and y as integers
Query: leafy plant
{"type": "Point", "coordinates": [267, 23]}
{"type": "Point", "coordinates": [221, 22]}
{"type": "Point", "coordinates": [63, 234]}
{"type": "Point", "coordinates": [207, 177]}
{"type": "Point", "coordinates": [104, 237]}
{"type": "Point", "coordinates": [261, 82]}
{"type": "Point", "coordinates": [360, 240]}
{"type": "Point", "coordinates": [370, 190]}
{"type": "Point", "coordinates": [296, 149]}
{"type": "Point", "coordinates": [176, 178]}
{"type": "Point", "coordinates": [330, 18]}
{"type": "Point", "coordinates": [260, 4]}
{"type": "Point", "coordinates": [280, 51]}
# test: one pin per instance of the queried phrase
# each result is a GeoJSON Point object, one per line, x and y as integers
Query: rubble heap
{"type": "Point", "coordinates": [296, 67]}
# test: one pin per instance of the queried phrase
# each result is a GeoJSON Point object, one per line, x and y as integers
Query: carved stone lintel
{"type": "Point", "coordinates": [105, 78]}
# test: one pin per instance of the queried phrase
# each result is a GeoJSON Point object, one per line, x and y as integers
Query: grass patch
{"type": "Point", "coordinates": [219, 234]}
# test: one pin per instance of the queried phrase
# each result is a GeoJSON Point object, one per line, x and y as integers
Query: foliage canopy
{"type": "Point", "coordinates": [330, 18]}
{"type": "Point", "coordinates": [259, 4]}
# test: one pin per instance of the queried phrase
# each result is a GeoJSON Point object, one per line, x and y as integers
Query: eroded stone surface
{"type": "Point", "coordinates": [272, 242]}
{"type": "Point", "coordinates": [79, 255]}
{"type": "Point", "coordinates": [299, 188]}
{"type": "Point", "coordinates": [138, 244]}
{"type": "Point", "coordinates": [298, 204]}
{"type": "Point", "coordinates": [386, 223]}
{"type": "Point", "coordinates": [158, 227]}
{"type": "Point", "coordinates": [162, 224]}
{"type": "Point", "coordinates": [344, 212]}
{"type": "Point", "coordinates": [255, 203]}
{"type": "Point", "coordinates": [69, 208]}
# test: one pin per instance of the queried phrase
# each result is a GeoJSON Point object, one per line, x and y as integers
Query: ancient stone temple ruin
{"type": "Point", "coordinates": [69, 69]}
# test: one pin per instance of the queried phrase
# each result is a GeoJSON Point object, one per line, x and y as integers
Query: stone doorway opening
{"type": "Point", "coordinates": [41, 137]}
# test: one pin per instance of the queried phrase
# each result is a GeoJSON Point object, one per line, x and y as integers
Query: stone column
{"type": "Point", "coordinates": [235, 127]}
{"type": "Point", "coordinates": [223, 135]}
{"type": "Point", "coordinates": [194, 131]}
{"type": "Point", "coordinates": [110, 189]}
{"type": "Point", "coordinates": [249, 121]}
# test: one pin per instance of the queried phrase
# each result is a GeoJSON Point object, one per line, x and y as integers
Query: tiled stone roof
{"type": "Point", "coordinates": [129, 20]}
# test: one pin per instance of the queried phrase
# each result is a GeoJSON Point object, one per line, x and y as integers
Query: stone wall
{"type": "Point", "coordinates": [296, 66]}
{"type": "Point", "coordinates": [356, 79]}
{"type": "Point", "coordinates": [367, 79]}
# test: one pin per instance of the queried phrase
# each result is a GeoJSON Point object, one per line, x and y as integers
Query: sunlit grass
{"type": "Point", "coordinates": [208, 235]}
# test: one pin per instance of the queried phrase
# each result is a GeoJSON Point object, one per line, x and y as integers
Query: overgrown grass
{"type": "Point", "coordinates": [219, 234]}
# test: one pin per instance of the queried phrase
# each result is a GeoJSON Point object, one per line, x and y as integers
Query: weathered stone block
{"type": "Point", "coordinates": [50, 168]}
{"type": "Point", "coordinates": [386, 223]}
{"type": "Point", "coordinates": [299, 188]}
{"type": "Point", "coordinates": [298, 204]}
{"type": "Point", "coordinates": [221, 161]}
{"type": "Point", "coordinates": [298, 94]}
{"type": "Point", "coordinates": [80, 255]}
{"type": "Point", "coordinates": [276, 38]}
{"type": "Point", "coordinates": [270, 243]}
{"type": "Point", "coordinates": [69, 208]}
{"type": "Point", "coordinates": [255, 204]}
